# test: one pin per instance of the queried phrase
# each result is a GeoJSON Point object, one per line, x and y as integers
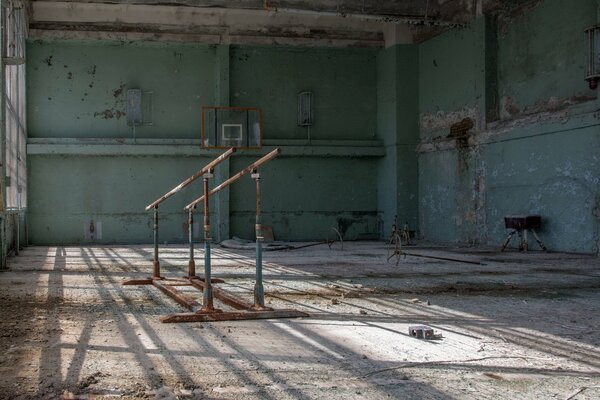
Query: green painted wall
{"type": "Point", "coordinates": [84, 165]}
{"type": "Point", "coordinates": [452, 88]}
{"type": "Point", "coordinates": [67, 192]}
{"type": "Point", "coordinates": [551, 169]}
{"type": "Point", "coordinates": [535, 146]}
{"type": "Point", "coordinates": [78, 89]}
{"type": "Point", "coordinates": [541, 54]}
{"type": "Point", "coordinates": [305, 198]}
{"type": "Point", "coordinates": [398, 129]}
{"type": "Point", "coordinates": [343, 82]}
{"type": "Point", "coordinates": [449, 74]}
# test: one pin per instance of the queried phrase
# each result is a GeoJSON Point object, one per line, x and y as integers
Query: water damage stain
{"type": "Point", "coordinates": [119, 91]}
{"type": "Point", "coordinates": [109, 114]}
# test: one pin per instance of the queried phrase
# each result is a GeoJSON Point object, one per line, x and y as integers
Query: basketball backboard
{"type": "Point", "coordinates": [224, 127]}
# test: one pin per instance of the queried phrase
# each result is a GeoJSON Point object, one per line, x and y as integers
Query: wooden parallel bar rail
{"type": "Point", "coordinates": [192, 178]}
{"type": "Point", "coordinates": [237, 176]}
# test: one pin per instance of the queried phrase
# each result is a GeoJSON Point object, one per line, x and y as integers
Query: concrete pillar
{"type": "Point", "coordinates": [398, 129]}
{"type": "Point", "coordinates": [223, 171]}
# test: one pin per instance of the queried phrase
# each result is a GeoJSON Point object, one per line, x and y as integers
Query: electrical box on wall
{"type": "Point", "coordinates": [592, 35]}
{"type": "Point", "coordinates": [305, 109]}
{"type": "Point", "coordinates": [92, 230]}
{"type": "Point", "coordinates": [139, 107]}
{"type": "Point", "coordinates": [134, 107]}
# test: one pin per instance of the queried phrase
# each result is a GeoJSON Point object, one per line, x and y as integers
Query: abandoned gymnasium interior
{"type": "Point", "coordinates": [294, 199]}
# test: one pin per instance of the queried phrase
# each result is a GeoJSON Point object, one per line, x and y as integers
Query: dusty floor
{"type": "Point", "coordinates": [518, 326]}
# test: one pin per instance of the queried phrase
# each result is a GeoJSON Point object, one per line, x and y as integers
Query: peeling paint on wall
{"type": "Point", "coordinates": [109, 114]}
{"type": "Point", "coordinates": [541, 156]}
{"type": "Point", "coordinates": [443, 120]}
{"type": "Point", "coordinates": [509, 108]}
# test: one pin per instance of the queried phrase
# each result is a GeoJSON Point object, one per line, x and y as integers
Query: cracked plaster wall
{"type": "Point", "coordinates": [85, 164]}
{"type": "Point", "coordinates": [535, 144]}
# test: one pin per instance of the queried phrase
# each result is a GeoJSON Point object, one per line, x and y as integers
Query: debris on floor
{"type": "Point", "coordinates": [242, 244]}
{"type": "Point", "coordinates": [520, 326]}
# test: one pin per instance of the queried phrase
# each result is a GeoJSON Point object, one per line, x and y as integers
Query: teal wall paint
{"type": "Point", "coordinates": [551, 169]}
{"type": "Point", "coordinates": [78, 89]}
{"type": "Point", "coordinates": [535, 144]}
{"type": "Point", "coordinates": [387, 168]}
{"type": "Point", "coordinates": [83, 166]}
{"type": "Point", "coordinates": [343, 82]}
{"type": "Point", "coordinates": [452, 78]}
{"type": "Point", "coordinates": [541, 52]}
{"type": "Point", "coordinates": [534, 147]}
{"type": "Point", "coordinates": [302, 199]}
{"type": "Point", "coordinates": [67, 192]}
{"type": "Point", "coordinates": [398, 129]}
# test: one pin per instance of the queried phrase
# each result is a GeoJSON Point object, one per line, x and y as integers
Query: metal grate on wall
{"type": "Point", "coordinates": [14, 35]}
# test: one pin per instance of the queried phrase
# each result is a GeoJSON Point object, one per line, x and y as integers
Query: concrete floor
{"type": "Point", "coordinates": [517, 326]}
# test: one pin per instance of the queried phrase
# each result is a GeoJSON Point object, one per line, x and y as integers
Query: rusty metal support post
{"type": "Point", "coordinates": [207, 304]}
{"type": "Point", "coordinates": [259, 291]}
{"type": "Point", "coordinates": [156, 264]}
{"type": "Point", "coordinates": [191, 262]}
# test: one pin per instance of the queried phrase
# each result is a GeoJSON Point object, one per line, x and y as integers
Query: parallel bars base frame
{"type": "Point", "coordinates": [244, 310]}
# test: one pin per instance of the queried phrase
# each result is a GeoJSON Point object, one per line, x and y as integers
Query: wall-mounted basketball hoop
{"type": "Point", "coordinates": [226, 127]}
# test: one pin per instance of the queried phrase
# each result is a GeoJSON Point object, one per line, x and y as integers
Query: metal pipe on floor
{"type": "Point", "coordinates": [237, 176]}
{"type": "Point", "coordinates": [443, 258]}
{"type": "Point", "coordinates": [156, 264]}
{"type": "Point", "coordinates": [191, 262]}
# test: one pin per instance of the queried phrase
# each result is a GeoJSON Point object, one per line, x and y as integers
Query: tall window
{"type": "Point", "coordinates": [14, 32]}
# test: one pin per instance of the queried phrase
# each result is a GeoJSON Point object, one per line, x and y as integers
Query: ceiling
{"type": "Point", "coordinates": [350, 23]}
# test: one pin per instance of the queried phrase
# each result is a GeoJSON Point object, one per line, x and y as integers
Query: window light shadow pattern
{"type": "Point", "coordinates": [86, 333]}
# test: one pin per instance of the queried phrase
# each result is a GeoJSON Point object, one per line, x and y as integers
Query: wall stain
{"type": "Point", "coordinates": [109, 114]}
{"type": "Point", "coordinates": [442, 120]}
{"type": "Point", "coordinates": [119, 91]}
{"type": "Point", "coordinates": [596, 210]}
{"type": "Point", "coordinates": [48, 61]}
{"type": "Point", "coordinates": [510, 110]}
{"type": "Point", "coordinates": [343, 224]}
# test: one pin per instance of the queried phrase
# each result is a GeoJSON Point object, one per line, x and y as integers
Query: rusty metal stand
{"type": "Point", "coordinates": [259, 291]}
{"type": "Point", "coordinates": [156, 263]}
{"type": "Point", "coordinates": [395, 241]}
{"type": "Point", "coordinates": [520, 224]}
{"type": "Point", "coordinates": [396, 251]}
{"type": "Point", "coordinates": [206, 311]}
{"type": "Point", "coordinates": [207, 294]}
{"type": "Point", "coordinates": [191, 262]}
{"type": "Point", "coordinates": [523, 242]}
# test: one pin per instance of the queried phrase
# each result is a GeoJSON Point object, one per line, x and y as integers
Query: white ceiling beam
{"type": "Point", "coordinates": [163, 22]}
